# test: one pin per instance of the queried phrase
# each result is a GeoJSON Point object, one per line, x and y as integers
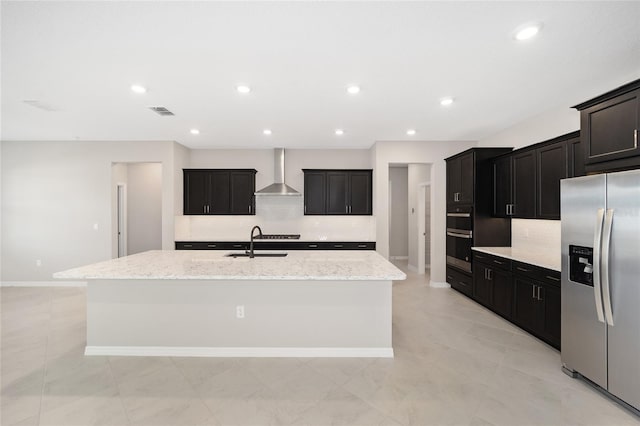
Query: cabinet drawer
{"type": "Point", "coordinates": [495, 261]}
{"type": "Point", "coordinates": [200, 245]}
{"type": "Point", "coordinates": [543, 275]}
{"type": "Point", "coordinates": [275, 245]}
{"type": "Point", "coordinates": [459, 281]}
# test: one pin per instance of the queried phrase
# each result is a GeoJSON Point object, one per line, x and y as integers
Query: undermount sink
{"type": "Point", "coordinates": [256, 255]}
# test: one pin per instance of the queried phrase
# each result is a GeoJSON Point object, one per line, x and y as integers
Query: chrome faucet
{"type": "Point", "coordinates": [251, 255]}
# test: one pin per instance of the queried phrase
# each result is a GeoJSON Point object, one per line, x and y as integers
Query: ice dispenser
{"type": "Point", "coordinates": [581, 265]}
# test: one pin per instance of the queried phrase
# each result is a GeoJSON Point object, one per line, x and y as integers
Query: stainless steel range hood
{"type": "Point", "coordinates": [278, 187]}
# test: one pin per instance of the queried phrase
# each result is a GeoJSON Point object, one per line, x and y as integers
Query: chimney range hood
{"type": "Point", "coordinates": [278, 187]}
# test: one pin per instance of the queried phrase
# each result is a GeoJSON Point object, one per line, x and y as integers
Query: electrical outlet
{"type": "Point", "coordinates": [38, 263]}
{"type": "Point", "coordinates": [240, 311]}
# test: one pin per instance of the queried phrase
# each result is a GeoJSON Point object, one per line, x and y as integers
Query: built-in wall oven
{"type": "Point", "coordinates": [460, 238]}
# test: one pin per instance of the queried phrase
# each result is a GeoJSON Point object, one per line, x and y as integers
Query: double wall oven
{"type": "Point", "coordinates": [460, 238]}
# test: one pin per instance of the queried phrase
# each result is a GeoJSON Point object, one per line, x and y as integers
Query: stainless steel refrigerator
{"type": "Point", "coordinates": [601, 281]}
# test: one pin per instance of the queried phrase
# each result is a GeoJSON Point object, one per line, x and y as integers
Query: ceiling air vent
{"type": "Point", "coordinates": [161, 110]}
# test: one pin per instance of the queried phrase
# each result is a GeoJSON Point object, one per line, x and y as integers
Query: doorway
{"type": "Point", "coordinates": [136, 208]}
{"type": "Point", "coordinates": [410, 214]}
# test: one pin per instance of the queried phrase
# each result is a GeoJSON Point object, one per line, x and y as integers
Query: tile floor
{"type": "Point", "coordinates": [456, 364]}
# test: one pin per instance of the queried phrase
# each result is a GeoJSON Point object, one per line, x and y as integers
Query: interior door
{"type": "Point", "coordinates": [623, 198]}
{"type": "Point", "coordinates": [583, 336]}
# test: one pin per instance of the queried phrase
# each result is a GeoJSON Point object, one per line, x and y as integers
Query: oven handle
{"type": "Point", "coordinates": [458, 214]}
{"type": "Point", "coordinates": [458, 235]}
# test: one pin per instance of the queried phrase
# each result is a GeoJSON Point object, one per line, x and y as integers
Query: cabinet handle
{"type": "Point", "coordinates": [498, 262]}
{"type": "Point", "coordinates": [539, 290]}
{"type": "Point", "coordinates": [533, 294]}
{"type": "Point", "coordinates": [237, 246]}
{"type": "Point", "coordinates": [204, 208]}
{"type": "Point", "coordinates": [312, 246]}
{"type": "Point", "coordinates": [211, 245]}
{"type": "Point", "coordinates": [305, 209]}
{"type": "Point", "coordinates": [249, 208]}
{"type": "Point", "coordinates": [552, 278]}
{"type": "Point", "coordinates": [346, 209]}
{"type": "Point", "coordinates": [338, 245]}
{"type": "Point", "coordinates": [635, 138]}
{"type": "Point", "coordinates": [450, 277]}
{"type": "Point", "coordinates": [187, 245]}
{"type": "Point", "coordinates": [522, 269]}
{"type": "Point", "coordinates": [362, 246]}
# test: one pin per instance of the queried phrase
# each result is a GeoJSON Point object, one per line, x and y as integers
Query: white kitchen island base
{"type": "Point", "coordinates": [198, 317]}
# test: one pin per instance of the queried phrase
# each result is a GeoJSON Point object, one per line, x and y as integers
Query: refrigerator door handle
{"type": "Point", "coordinates": [597, 241]}
{"type": "Point", "coordinates": [606, 248]}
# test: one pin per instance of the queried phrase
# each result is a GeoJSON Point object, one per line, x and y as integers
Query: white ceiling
{"type": "Point", "coordinates": [82, 57]}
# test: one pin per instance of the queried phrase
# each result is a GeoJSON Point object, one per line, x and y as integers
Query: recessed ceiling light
{"type": "Point", "coordinates": [243, 89]}
{"type": "Point", "coordinates": [138, 89]}
{"type": "Point", "coordinates": [446, 101]}
{"type": "Point", "coordinates": [339, 132]}
{"type": "Point", "coordinates": [353, 89]}
{"type": "Point", "coordinates": [411, 132]}
{"type": "Point", "coordinates": [195, 131]}
{"type": "Point", "coordinates": [266, 132]}
{"type": "Point", "coordinates": [527, 31]}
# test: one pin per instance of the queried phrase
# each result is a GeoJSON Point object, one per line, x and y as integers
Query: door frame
{"type": "Point", "coordinates": [121, 219]}
{"type": "Point", "coordinates": [421, 217]}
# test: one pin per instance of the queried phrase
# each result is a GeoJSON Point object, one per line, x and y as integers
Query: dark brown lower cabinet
{"type": "Point", "coordinates": [460, 281]}
{"type": "Point", "coordinates": [526, 295]}
{"type": "Point", "coordinates": [537, 309]}
{"type": "Point", "coordinates": [493, 288]}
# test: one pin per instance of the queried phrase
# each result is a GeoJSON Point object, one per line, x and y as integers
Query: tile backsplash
{"type": "Point", "coordinates": [276, 215]}
{"type": "Point", "coordinates": [536, 235]}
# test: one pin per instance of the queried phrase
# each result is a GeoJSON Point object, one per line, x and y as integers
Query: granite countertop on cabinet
{"type": "Point", "coordinates": [214, 265]}
{"type": "Point", "coordinates": [549, 259]}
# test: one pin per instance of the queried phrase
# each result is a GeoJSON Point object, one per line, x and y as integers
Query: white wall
{"type": "Point", "coordinates": [547, 125]}
{"type": "Point", "coordinates": [427, 227]}
{"type": "Point", "coordinates": [144, 207]}
{"type": "Point", "coordinates": [417, 174]}
{"type": "Point", "coordinates": [54, 192]}
{"type": "Point", "coordinates": [434, 153]}
{"type": "Point", "coordinates": [399, 215]}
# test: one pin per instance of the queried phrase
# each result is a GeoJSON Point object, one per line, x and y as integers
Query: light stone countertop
{"type": "Point", "coordinates": [213, 265]}
{"type": "Point", "coordinates": [549, 259]}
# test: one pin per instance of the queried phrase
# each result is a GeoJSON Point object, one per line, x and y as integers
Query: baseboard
{"type": "Point", "coordinates": [399, 257]}
{"type": "Point", "coordinates": [43, 283]}
{"type": "Point", "coordinates": [269, 352]}
{"type": "Point", "coordinates": [436, 284]}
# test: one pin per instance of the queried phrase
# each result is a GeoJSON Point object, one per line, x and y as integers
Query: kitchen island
{"type": "Point", "coordinates": [204, 303]}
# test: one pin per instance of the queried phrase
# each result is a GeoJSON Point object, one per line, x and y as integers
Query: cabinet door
{"type": "Point", "coordinates": [609, 130]}
{"type": "Point", "coordinates": [337, 202]}
{"type": "Point", "coordinates": [453, 180]}
{"type": "Point", "coordinates": [482, 285]}
{"type": "Point", "coordinates": [315, 193]}
{"type": "Point", "coordinates": [525, 303]}
{"type": "Point", "coordinates": [576, 158]}
{"type": "Point", "coordinates": [219, 198]}
{"type": "Point", "coordinates": [502, 292]}
{"type": "Point", "coordinates": [243, 186]}
{"type": "Point", "coordinates": [196, 192]}
{"type": "Point", "coordinates": [552, 166]}
{"type": "Point", "coordinates": [524, 185]}
{"type": "Point", "coordinates": [549, 320]}
{"type": "Point", "coordinates": [501, 186]}
{"type": "Point", "coordinates": [465, 195]}
{"type": "Point", "coordinates": [360, 193]}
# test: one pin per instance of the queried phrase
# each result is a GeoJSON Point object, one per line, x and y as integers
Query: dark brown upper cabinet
{"type": "Point", "coordinates": [219, 191]}
{"type": "Point", "coordinates": [552, 162]}
{"type": "Point", "coordinates": [460, 186]}
{"type": "Point", "coordinates": [526, 183]}
{"type": "Point", "coordinates": [338, 192]}
{"type": "Point", "coordinates": [609, 126]}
